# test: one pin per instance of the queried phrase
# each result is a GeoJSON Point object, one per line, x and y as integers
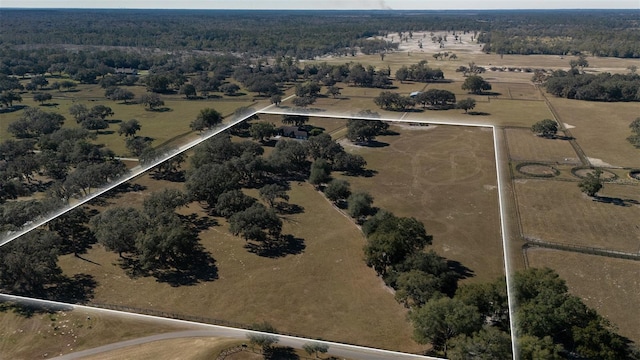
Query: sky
{"type": "Point", "coordinates": [328, 4]}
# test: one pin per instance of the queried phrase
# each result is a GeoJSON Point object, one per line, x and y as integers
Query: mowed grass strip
{"type": "Point", "coordinates": [601, 129]}
{"type": "Point", "coordinates": [556, 211]}
{"type": "Point", "coordinates": [609, 285]}
{"type": "Point", "coordinates": [525, 145]}
{"type": "Point", "coordinates": [326, 292]}
{"type": "Point", "coordinates": [65, 332]}
{"type": "Point", "coordinates": [445, 177]}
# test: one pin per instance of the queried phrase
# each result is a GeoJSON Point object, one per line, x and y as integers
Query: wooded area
{"type": "Point", "coordinates": [600, 33]}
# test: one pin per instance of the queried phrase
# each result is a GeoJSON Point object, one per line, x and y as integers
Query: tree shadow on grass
{"type": "Point", "coordinates": [76, 289]}
{"type": "Point", "coordinates": [478, 113]}
{"type": "Point", "coordinates": [197, 267]}
{"type": "Point", "coordinates": [373, 144]}
{"type": "Point", "coordinates": [174, 176]}
{"type": "Point", "coordinates": [199, 223]}
{"type": "Point", "coordinates": [390, 133]}
{"type": "Point", "coordinates": [616, 201]}
{"type": "Point", "coordinates": [461, 271]}
{"type": "Point", "coordinates": [563, 137]}
{"type": "Point", "coordinates": [363, 173]}
{"type": "Point", "coordinates": [288, 209]}
{"type": "Point", "coordinates": [27, 310]}
{"type": "Point", "coordinates": [159, 109]}
{"type": "Point", "coordinates": [12, 108]}
{"type": "Point", "coordinates": [286, 245]}
{"type": "Point", "coordinates": [122, 189]}
{"type": "Point", "coordinates": [280, 353]}
{"type": "Point", "coordinates": [193, 268]}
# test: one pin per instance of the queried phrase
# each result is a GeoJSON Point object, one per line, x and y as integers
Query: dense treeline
{"type": "Point", "coordinates": [472, 321]}
{"type": "Point", "coordinates": [601, 33]}
{"type": "Point", "coordinates": [601, 87]}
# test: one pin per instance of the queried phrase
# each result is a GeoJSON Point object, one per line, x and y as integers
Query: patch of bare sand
{"type": "Point", "coordinates": [423, 42]}
{"type": "Point", "coordinates": [599, 163]}
{"type": "Point", "coordinates": [415, 126]}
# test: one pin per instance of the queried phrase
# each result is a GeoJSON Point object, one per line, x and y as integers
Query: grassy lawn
{"type": "Point", "coordinates": [611, 286]}
{"type": "Point", "coordinates": [445, 177]}
{"type": "Point", "coordinates": [557, 211]}
{"type": "Point", "coordinates": [64, 332]}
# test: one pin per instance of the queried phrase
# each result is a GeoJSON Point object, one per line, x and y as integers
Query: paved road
{"type": "Point", "coordinates": [339, 350]}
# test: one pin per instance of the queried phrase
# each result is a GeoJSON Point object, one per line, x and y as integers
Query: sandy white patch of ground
{"type": "Point", "coordinates": [600, 163]}
{"type": "Point", "coordinates": [416, 126]}
{"type": "Point", "coordinates": [463, 44]}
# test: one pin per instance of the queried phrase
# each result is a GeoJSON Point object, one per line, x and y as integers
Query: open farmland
{"type": "Point", "coordinates": [341, 300]}
{"type": "Point", "coordinates": [445, 177]}
{"type": "Point", "coordinates": [601, 129]}
{"type": "Point", "coordinates": [524, 145]}
{"type": "Point", "coordinates": [556, 211]}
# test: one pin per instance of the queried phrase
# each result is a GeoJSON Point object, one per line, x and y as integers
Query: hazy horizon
{"type": "Point", "coordinates": [326, 5]}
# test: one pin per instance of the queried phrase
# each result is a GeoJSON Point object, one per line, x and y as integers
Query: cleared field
{"type": "Point", "coordinates": [524, 145]}
{"type": "Point", "coordinates": [557, 211]}
{"type": "Point", "coordinates": [444, 176]}
{"type": "Point", "coordinates": [601, 129]}
{"type": "Point", "coordinates": [611, 287]}
{"type": "Point", "coordinates": [64, 332]}
{"type": "Point", "coordinates": [326, 291]}
{"type": "Point", "coordinates": [517, 91]}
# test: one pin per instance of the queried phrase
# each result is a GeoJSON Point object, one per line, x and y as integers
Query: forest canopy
{"type": "Point", "coordinates": [597, 32]}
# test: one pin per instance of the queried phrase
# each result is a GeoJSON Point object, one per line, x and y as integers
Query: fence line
{"type": "Point", "coordinates": [531, 242]}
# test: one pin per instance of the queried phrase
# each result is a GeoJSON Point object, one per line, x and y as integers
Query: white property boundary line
{"type": "Point", "coordinates": [141, 169]}
{"type": "Point", "coordinates": [64, 306]}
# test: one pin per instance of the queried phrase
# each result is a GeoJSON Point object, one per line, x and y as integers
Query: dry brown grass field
{"type": "Point", "coordinates": [557, 211]}
{"type": "Point", "coordinates": [609, 285]}
{"type": "Point", "coordinates": [342, 299]}
{"type": "Point", "coordinates": [601, 129]}
{"type": "Point", "coordinates": [326, 291]}
{"type": "Point", "coordinates": [445, 177]}
{"type": "Point", "coordinates": [187, 348]}
{"type": "Point", "coordinates": [524, 145]}
{"type": "Point", "coordinates": [51, 334]}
